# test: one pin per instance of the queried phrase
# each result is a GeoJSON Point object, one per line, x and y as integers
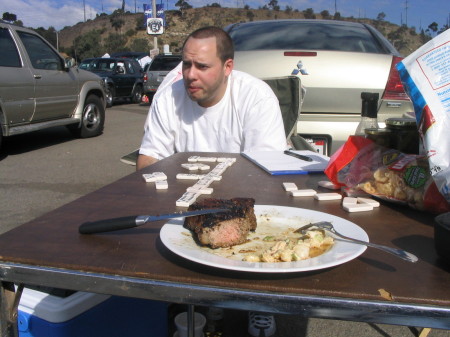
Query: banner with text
{"type": "Point", "coordinates": [148, 13]}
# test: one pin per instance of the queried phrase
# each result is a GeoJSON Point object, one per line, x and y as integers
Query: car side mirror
{"type": "Point", "coordinates": [69, 62]}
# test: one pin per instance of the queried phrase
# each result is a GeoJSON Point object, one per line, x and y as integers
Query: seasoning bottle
{"type": "Point", "coordinates": [369, 111]}
{"type": "Point", "coordinates": [405, 136]}
{"type": "Point", "coordinates": [380, 136]}
{"type": "Point", "coordinates": [214, 322]}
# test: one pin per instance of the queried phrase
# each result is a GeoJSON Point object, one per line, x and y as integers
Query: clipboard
{"type": "Point", "coordinates": [278, 163]}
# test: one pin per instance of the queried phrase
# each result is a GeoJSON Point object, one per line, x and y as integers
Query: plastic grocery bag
{"type": "Point", "coordinates": [387, 174]}
{"type": "Point", "coordinates": [426, 77]}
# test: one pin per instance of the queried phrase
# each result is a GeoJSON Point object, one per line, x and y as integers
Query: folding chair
{"type": "Point", "coordinates": [290, 94]}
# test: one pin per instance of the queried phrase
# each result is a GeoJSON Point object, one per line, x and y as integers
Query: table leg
{"type": "Point", "coordinates": [9, 304]}
{"type": "Point", "coordinates": [191, 320]}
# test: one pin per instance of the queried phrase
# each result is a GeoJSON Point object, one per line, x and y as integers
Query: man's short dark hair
{"type": "Point", "coordinates": [224, 44]}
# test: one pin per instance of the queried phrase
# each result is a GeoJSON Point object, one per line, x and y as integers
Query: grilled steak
{"type": "Point", "coordinates": [223, 229]}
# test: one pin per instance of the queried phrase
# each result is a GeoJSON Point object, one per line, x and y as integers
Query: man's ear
{"type": "Point", "coordinates": [228, 66]}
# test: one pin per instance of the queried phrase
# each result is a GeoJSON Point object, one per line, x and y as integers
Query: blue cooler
{"type": "Point", "coordinates": [87, 314]}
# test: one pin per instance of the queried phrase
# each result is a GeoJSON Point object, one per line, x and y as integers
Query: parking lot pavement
{"type": "Point", "coordinates": [47, 169]}
{"type": "Point", "coordinates": [43, 170]}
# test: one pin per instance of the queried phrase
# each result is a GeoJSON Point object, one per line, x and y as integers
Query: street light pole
{"type": "Point", "coordinates": [155, 39]}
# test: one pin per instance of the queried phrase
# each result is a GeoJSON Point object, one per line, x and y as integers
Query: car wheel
{"type": "Point", "coordinates": [93, 118]}
{"type": "Point", "coordinates": [136, 97]}
{"type": "Point", "coordinates": [110, 96]}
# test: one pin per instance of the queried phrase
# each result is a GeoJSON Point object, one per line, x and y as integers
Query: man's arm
{"type": "Point", "coordinates": [144, 161]}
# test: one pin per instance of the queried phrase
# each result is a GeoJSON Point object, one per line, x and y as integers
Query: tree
{"type": "Point", "coordinates": [87, 45]}
{"type": "Point", "coordinates": [325, 14]}
{"type": "Point", "coordinates": [10, 17]}
{"type": "Point", "coordinates": [273, 4]}
{"type": "Point", "coordinates": [117, 22]}
{"type": "Point", "coordinates": [309, 13]}
{"type": "Point", "coordinates": [183, 4]}
{"type": "Point", "coordinates": [433, 27]}
{"type": "Point", "coordinates": [115, 43]}
{"type": "Point", "coordinates": [381, 16]}
{"type": "Point", "coordinates": [140, 45]}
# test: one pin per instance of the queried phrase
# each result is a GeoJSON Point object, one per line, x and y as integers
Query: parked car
{"type": "Point", "coordinates": [335, 60]}
{"type": "Point", "coordinates": [39, 89]}
{"type": "Point", "coordinates": [157, 70]}
{"type": "Point", "coordinates": [123, 77]}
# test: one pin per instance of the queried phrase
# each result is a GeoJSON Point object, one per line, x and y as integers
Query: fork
{"type": "Point", "coordinates": [329, 227]}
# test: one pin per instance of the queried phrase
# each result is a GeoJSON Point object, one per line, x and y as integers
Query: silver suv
{"type": "Point", "coordinates": [39, 89]}
{"type": "Point", "coordinates": [157, 70]}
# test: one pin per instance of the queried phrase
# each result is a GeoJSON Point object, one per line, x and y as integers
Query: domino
{"type": "Point", "coordinates": [189, 176]}
{"type": "Point", "coordinates": [369, 201]}
{"type": "Point", "coordinates": [329, 185]}
{"type": "Point", "coordinates": [193, 159]}
{"type": "Point", "coordinates": [349, 201]}
{"type": "Point", "coordinates": [227, 160]}
{"type": "Point", "coordinates": [161, 185]}
{"type": "Point", "coordinates": [200, 190]}
{"type": "Point", "coordinates": [211, 175]}
{"type": "Point", "coordinates": [357, 207]}
{"type": "Point", "coordinates": [190, 167]}
{"type": "Point", "coordinates": [204, 182]}
{"type": "Point", "coordinates": [155, 176]}
{"type": "Point", "coordinates": [203, 167]}
{"type": "Point", "coordinates": [187, 199]}
{"type": "Point", "coordinates": [303, 193]}
{"type": "Point", "coordinates": [328, 196]}
{"type": "Point", "coordinates": [207, 159]}
{"type": "Point", "coordinates": [290, 187]}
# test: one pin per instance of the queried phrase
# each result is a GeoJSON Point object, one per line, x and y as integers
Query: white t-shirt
{"type": "Point", "coordinates": [247, 118]}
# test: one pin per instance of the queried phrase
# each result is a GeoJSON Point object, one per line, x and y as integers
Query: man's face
{"type": "Point", "coordinates": [204, 75]}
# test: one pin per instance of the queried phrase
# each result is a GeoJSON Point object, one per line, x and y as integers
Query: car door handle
{"type": "Point", "coordinates": [37, 77]}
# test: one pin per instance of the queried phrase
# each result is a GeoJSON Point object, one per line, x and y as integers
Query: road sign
{"type": "Point", "coordinates": [155, 26]}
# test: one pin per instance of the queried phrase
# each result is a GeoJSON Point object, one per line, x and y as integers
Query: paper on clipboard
{"type": "Point", "coordinates": [278, 163]}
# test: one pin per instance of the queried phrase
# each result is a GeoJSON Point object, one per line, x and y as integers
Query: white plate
{"type": "Point", "coordinates": [179, 240]}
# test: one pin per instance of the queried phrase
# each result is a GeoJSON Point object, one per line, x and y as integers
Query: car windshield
{"type": "Point", "coordinates": [303, 35]}
{"type": "Point", "coordinates": [164, 63]}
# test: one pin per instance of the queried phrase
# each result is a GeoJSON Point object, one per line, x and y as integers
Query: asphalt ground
{"type": "Point", "coordinates": [44, 170]}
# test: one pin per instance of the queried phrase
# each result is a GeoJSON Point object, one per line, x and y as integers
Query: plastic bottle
{"type": "Point", "coordinates": [369, 111]}
{"type": "Point", "coordinates": [214, 322]}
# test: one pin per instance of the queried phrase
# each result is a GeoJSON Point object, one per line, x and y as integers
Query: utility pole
{"type": "Point", "coordinates": [84, 10]}
{"type": "Point", "coordinates": [155, 39]}
{"type": "Point", "coordinates": [406, 13]}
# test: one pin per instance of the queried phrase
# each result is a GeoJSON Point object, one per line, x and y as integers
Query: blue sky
{"type": "Point", "coordinates": [61, 13]}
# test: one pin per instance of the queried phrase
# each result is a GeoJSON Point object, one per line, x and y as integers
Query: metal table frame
{"type": "Point", "coordinates": [279, 303]}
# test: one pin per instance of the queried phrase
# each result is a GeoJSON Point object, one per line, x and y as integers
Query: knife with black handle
{"type": "Point", "coordinates": [109, 225]}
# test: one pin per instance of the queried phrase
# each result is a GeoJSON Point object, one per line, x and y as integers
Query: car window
{"type": "Point", "coordinates": [303, 35]}
{"type": "Point", "coordinates": [102, 65]}
{"type": "Point", "coordinates": [130, 69]}
{"type": "Point", "coordinates": [86, 65]}
{"type": "Point", "coordinates": [9, 57]}
{"type": "Point", "coordinates": [164, 63]}
{"type": "Point", "coordinates": [41, 55]}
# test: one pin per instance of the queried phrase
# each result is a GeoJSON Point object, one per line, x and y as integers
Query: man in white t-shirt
{"type": "Point", "coordinates": [214, 108]}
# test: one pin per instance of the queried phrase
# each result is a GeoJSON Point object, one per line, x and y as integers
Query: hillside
{"type": "Point", "coordinates": [182, 23]}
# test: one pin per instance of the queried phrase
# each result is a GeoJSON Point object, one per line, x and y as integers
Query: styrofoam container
{"type": "Point", "coordinates": [88, 314]}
